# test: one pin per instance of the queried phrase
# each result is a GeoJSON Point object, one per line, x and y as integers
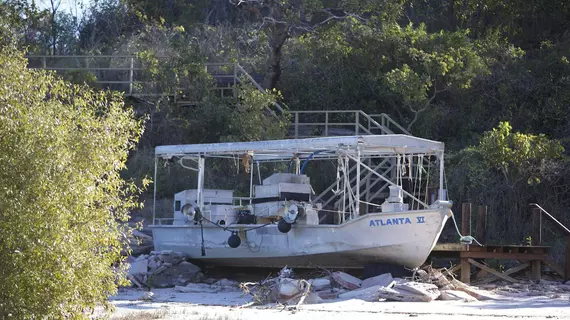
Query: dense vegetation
{"type": "Point", "coordinates": [63, 203]}
{"type": "Point", "coordinates": [489, 78]}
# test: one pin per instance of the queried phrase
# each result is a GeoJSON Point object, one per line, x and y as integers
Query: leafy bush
{"type": "Point", "coordinates": [62, 201]}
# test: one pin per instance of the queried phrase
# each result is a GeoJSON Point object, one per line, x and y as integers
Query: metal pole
{"type": "Point", "coordinates": [259, 173]}
{"type": "Point", "coordinates": [326, 123]}
{"type": "Point", "coordinates": [296, 125]}
{"type": "Point", "coordinates": [441, 168]}
{"type": "Point", "coordinates": [131, 72]}
{"type": "Point", "coordinates": [358, 182]}
{"type": "Point", "coordinates": [251, 180]}
{"type": "Point", "coordinates": [356, 115]}
{"type": "Point", "coordinates": [390, 182]}
{"type": "Point", "coordinates": [154, 192]}
{"type": "Point", "coordinates": [200, 194]}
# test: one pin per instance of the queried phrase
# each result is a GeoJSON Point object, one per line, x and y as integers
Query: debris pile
{"type": "Point", "coordinates": [163, 269]}
{"type": "Point", "coordinates": [426, 285]}
{"type": "Point", "coordinates": [140, 243]}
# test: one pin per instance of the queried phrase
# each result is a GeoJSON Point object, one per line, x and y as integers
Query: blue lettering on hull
{"type": "Point", "coordinates": [394, 221]}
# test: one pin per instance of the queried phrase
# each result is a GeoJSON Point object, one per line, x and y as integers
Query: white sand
{"type": "Point", "coordinates": [169, 304]}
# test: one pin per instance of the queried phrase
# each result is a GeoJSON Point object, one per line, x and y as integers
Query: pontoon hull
{"type": "Point", "coordinates": [402, 238]}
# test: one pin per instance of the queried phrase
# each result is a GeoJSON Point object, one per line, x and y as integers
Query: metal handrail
{"type": "Point", "coordinates": [386, 119]}
{"type": "Point", "coordinates": [237, 70]}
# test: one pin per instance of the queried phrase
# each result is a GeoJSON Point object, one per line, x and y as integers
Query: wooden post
{"type": "Point", "coordinates": [567, 266]}
{"type": "Point", "coordinates": [465, 271]}
{"type": "Point", "coordinates": [536, 227]}
{"type": "Point", "coordinates": [536, 240]}
{"type": "Point", "coordinates": [466, 219]}
{"type": "Point", "coordinates": [482, 225]}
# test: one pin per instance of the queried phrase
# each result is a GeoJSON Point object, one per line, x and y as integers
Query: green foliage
{"type": "Point", "coordinates": [518, 154]}
{"type": "Point", "coordinates": [506, 171]}
{"type": "Point", "coordinates": [62, 202]}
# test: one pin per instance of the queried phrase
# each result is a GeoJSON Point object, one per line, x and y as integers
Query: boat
{"type": "Point", "coordinates": [387, 203]}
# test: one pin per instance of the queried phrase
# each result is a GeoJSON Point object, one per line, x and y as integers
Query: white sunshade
{"type": "Point", "coordinates": [285, 149]}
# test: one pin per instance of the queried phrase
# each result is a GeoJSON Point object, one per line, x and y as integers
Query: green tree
{"type": "Point", "coordinates": [63, 203]}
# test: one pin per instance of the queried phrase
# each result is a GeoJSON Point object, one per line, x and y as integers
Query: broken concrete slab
{"type": "Point", "coordinates": [319, 284]}
{"type": "Point", "coordinates": [384, 280]}
{"type": "Point", "coordinates": [288, 288]}
{"type": "Point", "coordinates": [346, 280]}
{"type": "Point", "coordinates": [329, 294]}
{"type": "Point", "coordinates": [457, 295]}
{"type": "Point", "coordinates": [196, 288]}
{"type": "Point", "coordinates": [428, 290]}
{"type": "Point", "coordinates": [138, 267]}
{"type": "Point", "coordinates": [401, 295]}
{"type": "Point", "coordinates": [366, 294]}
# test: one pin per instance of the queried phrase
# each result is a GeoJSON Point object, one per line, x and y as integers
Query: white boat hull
{"type": "Point", "coordinates": [401, 238]}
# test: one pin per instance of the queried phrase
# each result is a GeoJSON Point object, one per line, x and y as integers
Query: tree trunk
{"type": "Point", "coordinates": [277, 37]}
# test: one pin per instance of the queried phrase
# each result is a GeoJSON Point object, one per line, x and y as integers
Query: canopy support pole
{"type": "Point", "coordinates": [387, 180]}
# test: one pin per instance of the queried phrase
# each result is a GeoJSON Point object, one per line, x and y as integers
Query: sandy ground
{"type": "Point", "coordinates": [169, 304]}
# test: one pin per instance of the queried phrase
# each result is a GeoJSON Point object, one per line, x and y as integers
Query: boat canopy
{"type": "Point", "coordinates": [325, 147]}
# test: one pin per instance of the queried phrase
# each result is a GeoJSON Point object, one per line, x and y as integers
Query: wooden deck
{"type": "Point", "coordinates": [528, 256]}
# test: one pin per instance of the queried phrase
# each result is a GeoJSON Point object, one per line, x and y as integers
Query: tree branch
{"type": "Point", "coordinates": [425, 107]}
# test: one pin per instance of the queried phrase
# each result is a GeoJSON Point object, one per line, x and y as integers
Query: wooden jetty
{"type": "Point", "coordinates": [531, 256]}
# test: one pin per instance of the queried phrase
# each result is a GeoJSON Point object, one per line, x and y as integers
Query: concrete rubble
{"type": "Point", "coordinates": [162, 269]}
{"type": "Point", "coordinates": [428, 284]}
{"type": "Point", "coordinates": [172, 269]}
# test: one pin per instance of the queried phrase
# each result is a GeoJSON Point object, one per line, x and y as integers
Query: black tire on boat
{"type": "Point", "coordinates": [283, 226]}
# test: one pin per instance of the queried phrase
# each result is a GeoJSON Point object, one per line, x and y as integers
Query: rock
{"type": "Point", "coordinates": [289, 288]}
{"type": "Point", "coordinates": [313, 298]}
{"type": "Point", "coordinates": [147, 296]}
{"type": "Point", "coordinates": [135, 281]}
{"type": "Point", "coordinates": [142, 235]}
{"type": "Point", "coordinates": [154, 253]}
{"type": "Point", "coordinates": [286, 272]}
{"type": "Point", "coordinates": [179, 275]}
{"type": "Point", "coordinates": [319, 284]}
{"type": "Point", "coordinates": [346, 280]}
{"type": "Point", "coordinates": [152, 265]}
{"type": "Point", "coordinates": [165, 252]}
{"type": "Point", "coordinates": [366, 294]}
{"type": "Point", "coordinates": [163, 267]}
{"type": "Point", "coordinates": [429, 291]}
{"type": "Point", "coordinates": [226, 285]}
{"type": "Point", "coordinates": [401, 295]}
{"type": "Point", "coordinates": [551, 283]}
{"type": "Point", "coordinates": [172, 258]}
{"type": "Point", "coordinates": [488, 286]}
{"type": "Point", "coordinates": [209, 281]}
{"type": "Point", "coordinates": [138, 267]}
{"type": "Point", "coordinates": [564, 287]}
{"type": "Point", "coordinates": [142, 257]}
{"type": "Point", "coordinates": [422, 274]}
{"type": "Point", "coordinates": [328, 294]}
{"type": "Point", "coordinates": [456, 295]}
{"type": "Point", "coordinates": [384, 280]}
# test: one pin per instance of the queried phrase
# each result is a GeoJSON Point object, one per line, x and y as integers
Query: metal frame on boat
{"type": "Point", "coordinates": [283, 221]}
